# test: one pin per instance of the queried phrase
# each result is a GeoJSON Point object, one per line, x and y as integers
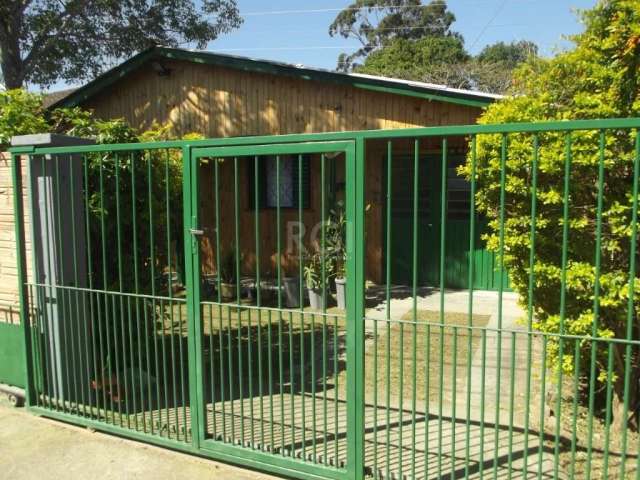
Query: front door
{"type": "Point", "coordinates": [269, 227]}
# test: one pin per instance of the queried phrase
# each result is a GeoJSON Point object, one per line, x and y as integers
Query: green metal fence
{"type": "Point", "coordinates": [190, 294]}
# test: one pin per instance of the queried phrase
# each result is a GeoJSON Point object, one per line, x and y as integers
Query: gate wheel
{"type": "Point", "coordinates": [15, 400]}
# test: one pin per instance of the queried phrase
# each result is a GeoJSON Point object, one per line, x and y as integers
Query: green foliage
{"type": "Point", "coordinates": [43, 41]}
{"type": "Point", "coordinates": [21, 113]}
{"type": "Point", "coordinates": [375, 23]}
{"type": "Point", "coordinates": [597, 79]}
{"type": "Point", "coordinates": [508, 54]}
{"type": "Point", "coordinates": [336, 240]}
{"type": "Point", "coordinates": [414, 58]}
{"type": "Point", "coordinates": [156, 176]}
{"type": "Point", "coordinates": [423, 47]}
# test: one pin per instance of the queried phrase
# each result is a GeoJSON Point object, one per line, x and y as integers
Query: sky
{"type": "Point", "coordinates": [296, 31]}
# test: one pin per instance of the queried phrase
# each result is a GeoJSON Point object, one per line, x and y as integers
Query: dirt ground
{"type": "Point", "coordinates": [37, 448]}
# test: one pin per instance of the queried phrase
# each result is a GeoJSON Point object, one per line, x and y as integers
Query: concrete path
{"type": "Point", "coordinates": [37, 448]}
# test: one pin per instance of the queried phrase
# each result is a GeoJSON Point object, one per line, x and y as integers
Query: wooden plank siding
{"type": "Point", "coordinates": [219, 101]}
{"type": "Point", "coordinates": [8, 254]}
{"type": "Point", "coordinates": [222, 102]}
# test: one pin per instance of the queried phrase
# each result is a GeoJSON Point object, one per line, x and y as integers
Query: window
{"type": "Point", "coordinates": [289, 185]}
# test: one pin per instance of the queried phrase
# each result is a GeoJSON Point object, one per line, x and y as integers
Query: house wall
{"type": "Point", "coordinates": [8, 257]}
{"type": "Point", "coordinates": [222, 102]}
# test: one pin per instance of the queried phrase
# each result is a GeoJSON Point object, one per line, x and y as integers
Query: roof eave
{"type": "Point", "coordinates": [261, 66]}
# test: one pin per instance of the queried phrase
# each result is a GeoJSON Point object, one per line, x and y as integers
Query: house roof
{"type": "Point", "coordinates": [52, 98]}
{"type": "Point", "coordinates": [367, 82]}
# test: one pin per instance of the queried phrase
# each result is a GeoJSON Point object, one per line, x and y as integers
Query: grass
{"type": "Point", "coordinates": [397, 340]}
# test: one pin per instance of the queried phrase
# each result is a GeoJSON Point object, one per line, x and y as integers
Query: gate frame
{"type": "Point", "coordinates": [355, 188]}
{"type": "Point", "coordinates": [355, 320]}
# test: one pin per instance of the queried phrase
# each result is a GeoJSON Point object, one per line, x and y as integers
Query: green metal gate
{"type": "Point", "coordinates": [272, 376]}
{"type": "Point", "coordinates": [189, 294]}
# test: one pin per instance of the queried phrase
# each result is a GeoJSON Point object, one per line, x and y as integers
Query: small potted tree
{"type": "Point", "coordinates": [313, 281]}
{"type": "Point", "coordinates": [336, 247]}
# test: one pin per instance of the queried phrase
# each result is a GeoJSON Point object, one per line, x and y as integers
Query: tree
{"type": "Point", "coordinates": [375, 23]}
{"type": "Point", "coordinates": [414, 41]}
{"type": "Point", "coordinates": [444, 60]}
{"type": "Point", "coordinates": [42, 41]}
{"type": "Point", "coordinates": [508, 54]}
{"type": "Point", "coordinates": [414, 58]}
{"type": "Point", "coordinates": [599, 78]}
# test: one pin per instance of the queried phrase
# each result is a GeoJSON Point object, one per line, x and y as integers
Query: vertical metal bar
{"type": "Point", "coordinates": [336, 389]}
{"type": "Point", "coordinates": [470, 331]}
{"type": "Point", "coordinates": [236, 201]}
{"type": "Point", "coordinates": [596, 300]}
{"type": "Point", "coordinates": [230, 367]}
{"type": "Point", "coordinates": [51, 357]}
{"type": "Point", "coordinates": [120, 289]}
{"type": "Point", "coordinates": [443, 246]}
{"type": "Point", "coordinates": [302, 326]}
{"type": "Point", "coordinates": [270, 362]}
{"type": "Point", "coordinates": [607, 415]}
{"type": "Point", "coordinates": [174, 379]}
{"type": "Point", "coordinates": [414, 359]}
{"type": "Point", "coordinates": [355, 202]}
{"type": "Point", "coordinates": [190, 197]}
{"type": "Point", "coordinates": [152, 259]}
{"type": "Point", "coordinates": [74, 239]}
{"type": "Point", "coordinates": [291, 385]}
{"type": "Point", "coordinates": [279, 270]}
{"type": "Point", "coordinates": [69, 386]}
{"type": "Point", "coordinates": [212, 381]}
{"type": "Point", "coordinates": [93, 314]}
{"type": "Point", "coordinates": [574, 412]}
{"type": "Point", "coordinates": [256, 186]}
{"type": "Point", "coordinates": [503, 174]}
{"type": "Point", "coordinates": [563, 294]}
{"type": "Point", "coordinates": [21, 261]}
{"type": "Point", "coordinates": [388, 311]}
{"type": "Point", "coordinates": [512, 381]}
{"type": "Point", "coordinates": [105, 283]}
{"type": "Point", "coordinates": [145, 402]}
{"type": "Point", "coordinates": [543, 395]}
{"type": "Point", "coordinates": [323, 192]}
{"type": "Point", "coordinates": [216, 193]}
{"type": "Point", "coordinates": [314, 440]}
{"type": "Point", "coordinates": [630, 304]}
{"type": "Point", "coordinates": [532, 260]}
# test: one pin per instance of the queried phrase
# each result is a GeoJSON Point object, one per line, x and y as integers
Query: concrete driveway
{"type": "Point", "coordinates": [37, 448]}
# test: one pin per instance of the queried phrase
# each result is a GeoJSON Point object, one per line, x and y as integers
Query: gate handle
{"type": "Point", "coordinates": [195, 231]}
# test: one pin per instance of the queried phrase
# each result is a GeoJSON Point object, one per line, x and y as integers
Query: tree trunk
{"type": "Point", "coordinates": [10, 58]}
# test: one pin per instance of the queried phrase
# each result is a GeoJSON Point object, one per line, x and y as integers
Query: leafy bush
{"type": "Point", "coordinates": [599, 78]}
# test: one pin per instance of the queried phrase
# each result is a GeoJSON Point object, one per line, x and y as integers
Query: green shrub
{"type": "Point", "coordinates": [599, 78]}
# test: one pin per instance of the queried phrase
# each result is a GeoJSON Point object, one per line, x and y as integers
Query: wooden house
{"type": "Point", "coordinates": [219, 95]}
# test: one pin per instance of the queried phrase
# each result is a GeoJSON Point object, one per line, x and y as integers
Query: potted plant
{"type": "Point", "coordinates": [228, 275]}
{"type": "Point", "coordinates": [313, 281]}
{"type": "Point", "coordinates": [336, 249]}
{"type": "Point", "coordinates": [291, 290]}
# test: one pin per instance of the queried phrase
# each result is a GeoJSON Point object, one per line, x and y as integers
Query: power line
{"type": "Point", "coordinates": [484, 29]}
{"type": "Point", "coordinates": [338, 9]}
{"type": "Point", "coordinates": [320, 47]}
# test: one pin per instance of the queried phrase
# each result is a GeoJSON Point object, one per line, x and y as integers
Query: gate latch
{"type": "Point", "coordinates": [195, 231]}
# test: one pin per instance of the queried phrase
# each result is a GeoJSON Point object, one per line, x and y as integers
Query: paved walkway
{"type": "Point", "coordinates": [37, 448]}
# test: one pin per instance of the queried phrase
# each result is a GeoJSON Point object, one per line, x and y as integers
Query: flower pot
{"type": "Point", "coordinates": [227, 291]}
{"type": "Point", "coordinates": [291, 288]}
{"type": "Point", "coordinates": [316, 298]}
{"type": "Point", "coordinates": [341, 293]}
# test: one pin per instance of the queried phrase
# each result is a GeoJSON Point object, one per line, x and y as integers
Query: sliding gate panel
{"type": "Point", "coordinates": [107, 302]}
{"type": "Point", "coordinates": [274, 361]}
